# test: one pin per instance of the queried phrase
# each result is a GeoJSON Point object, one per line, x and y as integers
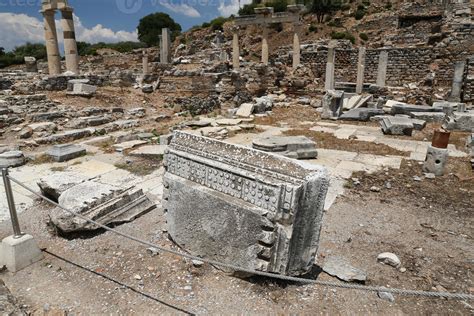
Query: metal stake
{"type": "Point", "coordinates": [11, 204]}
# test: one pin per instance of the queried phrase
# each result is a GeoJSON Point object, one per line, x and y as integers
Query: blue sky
{"type": "Point", "coordinates": [105, 20]}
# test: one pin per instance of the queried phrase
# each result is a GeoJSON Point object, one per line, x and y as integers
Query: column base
{"type": "Point", "coordinates": [18, 253]}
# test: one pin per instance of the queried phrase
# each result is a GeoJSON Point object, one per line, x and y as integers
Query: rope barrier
{"type": "Point", "coordinates": [458, 296]}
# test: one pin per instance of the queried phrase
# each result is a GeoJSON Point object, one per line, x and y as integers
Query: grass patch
{"type": "Point", "coordinates": [42, 159]}
{"type": "Point", "coordinates": [58, 169]}
{"type": "Point", "coordinates": [141, 166]}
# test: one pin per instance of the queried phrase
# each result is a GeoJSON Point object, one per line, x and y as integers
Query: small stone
{"type": "Point", "coordinates": [416, 178]}
{"type": "Point", "coordinates": [188, 288]}
{"type": "Point", "coordinates": [137, 277]}
{"type": "Point", "coordinates": [403, 270]}
{"type": "Point", "coordinates": [386, 296]}
{"type": "Point", "coordinates": [430, 175]}
{"type": "Point", "coordinates": [152, 251]}
{"type": "Point", "coordinates": [389, 258]}
{"type": "Point", "coordinates": [388, 185]}
{"type": "Point", "coordinates": [375, 189]}
{"type": "Point", "coordinates": [197, 263]}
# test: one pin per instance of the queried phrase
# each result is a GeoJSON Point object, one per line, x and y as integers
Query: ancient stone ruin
{"type": "Point", "coordinates": [242, 206]}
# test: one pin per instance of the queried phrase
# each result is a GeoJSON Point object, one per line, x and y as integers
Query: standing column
{"type": "Point", "coordinates": [458, 79]}
{"type": "Point", "coordinates": [382, 68]}
{"type": "Point", "coordinates": [360, 70]}
{"type": "Point", "coordinates": [70, 46]}
{"type": "Point", "coordinates": [296, 45]}
{"type": "Point", "coordinates": [146, 70]}
{"type": "Point", "coordinates": [165, 45]}
{"type": "Point", "coordinates": [265, 45]}
{"type": "Point", "coordinates": [51, 38]}
{"type": "Point", "coordinates": [329, 83]}
{"type": "Point", "coordinates": [235, 51]}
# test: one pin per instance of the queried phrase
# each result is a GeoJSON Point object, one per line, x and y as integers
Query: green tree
{"type": "Point", "coordinates": [150, 27]}
{"type": "Point", "coordinates": [323, 7]}
{"type": "Point", "coordinates": [35, 50]}
{"type": "Point", "coordinates": [2, 51]}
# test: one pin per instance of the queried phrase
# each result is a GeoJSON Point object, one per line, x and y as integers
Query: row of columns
{"type": "Point", "coordinates": [265, 49]}
{"type": "Point", "coordinates": [52, 46]}
{"type": "Point", "coordinates": [381, 71]}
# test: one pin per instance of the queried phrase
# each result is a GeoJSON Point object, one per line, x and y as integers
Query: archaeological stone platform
{"type": "Point", "coordinates": [242, 206]}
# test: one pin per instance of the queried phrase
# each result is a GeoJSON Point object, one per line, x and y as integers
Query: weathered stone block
{"type": "Point", "coordinates": [242, 206]}
{"type": "Point", "coordinates": [397, 126]}
{"type": "Point", "coordinates": [460, 121]}
{"type": "Point", "coordinates": [361, 114]}
{"type": "Point", "coordinates": [297, 147]}
{"type": "Point", "coordinates": [332, 104]}
{"type": "Point", "coordinates": [11, 159]}
{"type": "Point", "coordinates": [66, 152]}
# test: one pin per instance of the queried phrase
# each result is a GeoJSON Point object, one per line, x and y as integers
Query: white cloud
{"type": "Point", "coordinates": [184, 9]}
{"type": "Point", "coordinates": [17, 29]}
{"type": "Point", "coordinates": [228, 7]}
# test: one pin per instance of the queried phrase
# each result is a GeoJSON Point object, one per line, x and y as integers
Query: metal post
{"type": "Point", "coordinates": [11, 204]}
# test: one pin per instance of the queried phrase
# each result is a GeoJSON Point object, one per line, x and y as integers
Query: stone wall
{"type": "Point", "coordinates": [405, 65]}
{"type": "Point", "coordinates": [469, 81]}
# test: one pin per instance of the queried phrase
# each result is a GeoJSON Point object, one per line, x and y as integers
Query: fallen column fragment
{"type": "Point", "coordinates": [296, 147]}
{"type": "Point", "coordinates": [242, 206]}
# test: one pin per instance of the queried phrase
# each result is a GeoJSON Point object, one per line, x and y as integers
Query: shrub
{"type": "Point", "coordinates": [217, 23]}
{"type": "Point", "coordinates": [359, 14]}
{"type": "Point", "coordinates": [361, 7]}
{"type": "Point", "coordinates": [338, 35]}
{"type": "Point", "coordinates": [313, 28]}
{"type": "Point", "coordinates": [363, 36]}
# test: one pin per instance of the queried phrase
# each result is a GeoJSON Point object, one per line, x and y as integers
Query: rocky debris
{"type": "Point", "coordinates": [148, 88]}
{"type": "Point", "coordinates": [263, 104]}
{"type": "Point", "coordinates": [105, 204]}
{"type": "Point", "coordinates": [12, 159]}
{"type": "Point", "coordinates": [460, 121]}
{"type": "Point", "coordinates": [245, 110]}
{"type": "Point", "coordinates": [66, 152]}
{"type": "Point", "coordinates": [121, 147]}
{"type": "Point", "coordinates": [386, 296]}
{"type": "Point", "coordinates": [332, 104]}
{"type": "Point", "coordinates": [214, 212]}
{"type": "Point", "coordinates": [361, 114]}
{"type": "Point", "coordinates": [138, 112]}
{"type": "Point", "coordinates": [49, 127]}
{"type": "Point", "coordinates": [198, 105]}
{"type": "Point", "coordinates": [154, 151]}
{"type": "Point", "coordinates": [26, 132]}
{"type": "Point", "coordinates": [339, 268]}
{"type": "Point", "coordinates": [66, 136]}
{"type": "Point", "coordinates": [297, 147]}
{"type": "Point", "coordinates": [393, 125]}
{"type": "Point", "coordinates": [53, 185]}
{"type": "Point", "coordinates": [121, 124]}
{"type": "Point", "coordinates": [390, 259]}
{"type": "Point", "coordinates": [48, 116]}
{"type": "Point", "coordinates": [8, 303]}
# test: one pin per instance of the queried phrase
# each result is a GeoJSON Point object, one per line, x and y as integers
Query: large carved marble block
{"type": "Point", "coordinates": [243, 206]}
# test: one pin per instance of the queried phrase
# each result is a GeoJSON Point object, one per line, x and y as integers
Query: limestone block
{"type": "Point", "coordinates": [11, 159]}
{"type": "Point", "coordinates": [361, 114]}
{"type": "Point", "coordinates": [410, 108]}
{"type": "Point", "coordinates": [55, 184]}
{"type": "Point", "coordinates": [66, 152]}
{"type": "Point", "coordinates": [396, 126]}
{"type": "Point", "coordinates": [103, 203]}
{"type": "Point", "coordinates": [431, 117]}
{"type": "Point", "coordinates": [460, 121]}
{"type": "Point", "coordinates": [332, 103]}
{"type": "Point", "coordinates": [242, 206]}
{"type": "Point", "coordinates": [297, 147]}
{"type": "Point", "coordinates": [435, 161]}
{"type": "Point", "coordinates": [245, 110]}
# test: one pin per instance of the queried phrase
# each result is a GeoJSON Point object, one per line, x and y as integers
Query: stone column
{"type": "Point", "coordinates": [51, 38]}
{"type": "Point", "coordinates": [458, 79]}
{"type": "Point", "coordinates": [70, 46]}
{"type": "Point", "coordinates": [329, 83]}
{"type": "Point", "coordinates": [265, 45]}
{"type": "Point", "coordinates": [235, 51]}
{"type": "Point", "coordinates": [146, 70]}
{"type": "Point", "coordinates": [165, 46]}
{"type": "Point", "coordinates": [382, 68]}
{"type": "Point", "coordinates": [360, 70]}
{"type": "Point", "coordinates": [296, 45]}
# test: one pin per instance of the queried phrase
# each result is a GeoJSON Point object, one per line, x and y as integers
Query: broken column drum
{"type": "Point", "coordinates": [243, 207]}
